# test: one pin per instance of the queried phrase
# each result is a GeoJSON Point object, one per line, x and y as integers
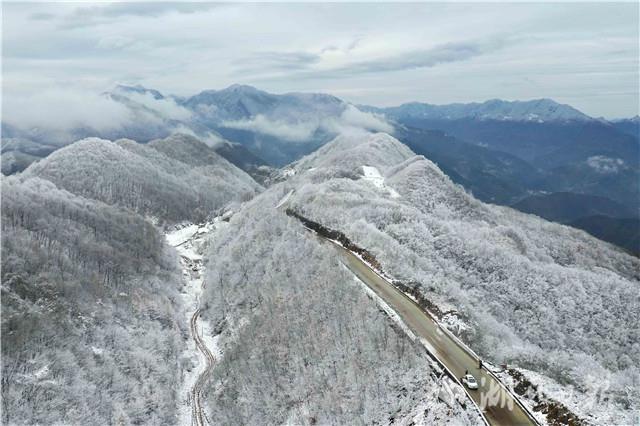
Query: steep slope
{"type": "Point", "coordinates": [89, 300]}
{"type": "Point", "coordinates": [543, 296]}
{"type": "Point", "coordinates": [92, 317]}
{"type": "Point", "coordinates": [546, 145]}
{"type": "Point", "coordinates": [205, 160]}
{"type": "Point", "coordinates": [238, 155]}
{"type": "Point", "coordinates": [144, 179]}
{"type": "Point", "coordinates": [301, 342]}
{"type": "Point", "coordinates": [568, 151]}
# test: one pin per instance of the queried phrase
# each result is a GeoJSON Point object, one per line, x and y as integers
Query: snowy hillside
{"type": "Point", "coordinates": [301, 341]}
{"type": "Point", "coordinates": [92, 320]}
{"type": "Point", "coordinates": [89, 301]}
{"type": "Point", "coordinates": [531, 293]}
{"type": "Point", "coordinates": [147, 180]}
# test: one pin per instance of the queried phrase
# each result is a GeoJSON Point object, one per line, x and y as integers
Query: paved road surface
{"type": "Point", "coordinates": [498, 405]}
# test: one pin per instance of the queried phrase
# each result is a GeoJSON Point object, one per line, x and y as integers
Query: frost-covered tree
{"type": "Point", "coordinates": [541, 295]}
{"type": "Point", "coordinates": [301, 341]}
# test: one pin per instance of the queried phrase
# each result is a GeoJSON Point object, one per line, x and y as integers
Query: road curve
{"type": "Point", "coordinates": [498, 406]}
{"type": "Point", "coordinates": [197, 412]}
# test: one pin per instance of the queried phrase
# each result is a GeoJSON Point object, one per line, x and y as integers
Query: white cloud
{"type": "Point", "coordinates": [352, 116]}
{"type": "Point", "coordinates": [582, 54]}
{"type": "Point", "coordinates": [166, 107]}
{"type": "Point", "coordinates": [210, 138]}
{"type": "Point", "coordinates": [351, 119]}
{"type": "Point", "coordinates": [281, 129]}
{"type": "Point", "coordinates": [605, 165]}
{"type": "Point", "coordinates": [61, 110]}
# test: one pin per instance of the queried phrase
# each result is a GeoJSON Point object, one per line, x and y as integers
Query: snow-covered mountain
{"type": "Point", "coordinates": [278, 128]}
{"type": "Point", "coordinates": [91, 306]}
{"type": "Point", "coordinates": [178, 178]}
{"type": "Point", "coordinates": [533, 294]}
{"type": "Point", "coordinates": [90, 284]}
{"type": "Point", "coordinates": [502, 151]}
{"type": "Point", "coordinates": [538, 110]}
{"type": "Point", "coordinates": [239, 102]}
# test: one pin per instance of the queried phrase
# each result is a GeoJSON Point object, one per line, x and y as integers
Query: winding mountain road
{"type": "Point", "coordinates": [197, 412]}
{"type": "Point", "coordinates": [498, 406]}
{"type": "Point", "coordinates": [188, 244]}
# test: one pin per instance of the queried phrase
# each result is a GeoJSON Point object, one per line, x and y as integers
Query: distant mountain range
{"type": "Point", "coordinates": [507, 152]}
{"type": "Point", "coordinates": [599, 216]}
{"type": "Point", "coordinates": [630, 126]}
{"type": "Point", "coordinates": [538, 110]}
{"type": "Point", "coordinates": [503, 152]}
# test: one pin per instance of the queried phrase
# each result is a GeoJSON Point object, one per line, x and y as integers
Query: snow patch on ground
{"type": "Point", "coordinates": [181, 236]}
{"type": "Point", "coordinates": [97, 351]}
{"type": "Point", "coordinates": [42, 373]}
{"type": "Point", "coordinates": [372, 174]}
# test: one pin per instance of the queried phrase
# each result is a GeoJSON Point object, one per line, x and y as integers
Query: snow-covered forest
{"type": "Point", "coordinates": [92, 329]}
{"type": "Point", "coordinates": [532, 293]}
{"type": "Point", "coordinates": [93, 318]}
{"type": "Point", "coordinates": [264, 213]}
{"type": "Point", "coordinates": [178, 178]}
{"type": "Point", "coordinates": [302, 343]}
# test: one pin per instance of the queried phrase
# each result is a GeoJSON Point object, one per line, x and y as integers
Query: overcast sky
{"type": "Point", "coordinates": [380, 54]}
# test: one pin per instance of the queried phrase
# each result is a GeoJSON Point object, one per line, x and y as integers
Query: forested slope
{"type": "Point", "coordinates": [88, 300]}
{"type": "Point", "coordinates": [92, 321]}
{"type": "Point", "coordinates": [541, 295]}
{"type": "Point", "coordinates": [146, 180]}
{"type": "Point", "coordinates": [301, 342]}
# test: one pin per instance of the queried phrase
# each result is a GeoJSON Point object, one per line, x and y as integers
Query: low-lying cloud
{"type": "Point", "coordinates": [166, 107]}
{"type": "Point", "coordinates": [351, 119]}
{"type": "Point", "coordinates": [288, 131]}
{"type": "Point", "coordinates": [62, 110]}
{"type": "Point", "coordinates": [605, 165]}
{"type": "Point", "coordinates": [137, 113]}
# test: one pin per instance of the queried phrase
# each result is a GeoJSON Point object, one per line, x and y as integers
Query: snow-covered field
{"type": "Point", "coordinates": [180, 236]}
{"type": "Point", "coordinates": [373, 175]}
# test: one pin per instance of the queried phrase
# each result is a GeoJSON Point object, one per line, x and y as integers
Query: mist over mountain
{"type": "Point", "coordinates": [91, 213]}
{"type": "Point", "coordinates": [337, 214]}
{"type": "Point", "coordinates": [501, 151]}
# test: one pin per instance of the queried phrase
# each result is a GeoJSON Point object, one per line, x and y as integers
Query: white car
{"type": "Point", "coordinates": [469, 381]}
